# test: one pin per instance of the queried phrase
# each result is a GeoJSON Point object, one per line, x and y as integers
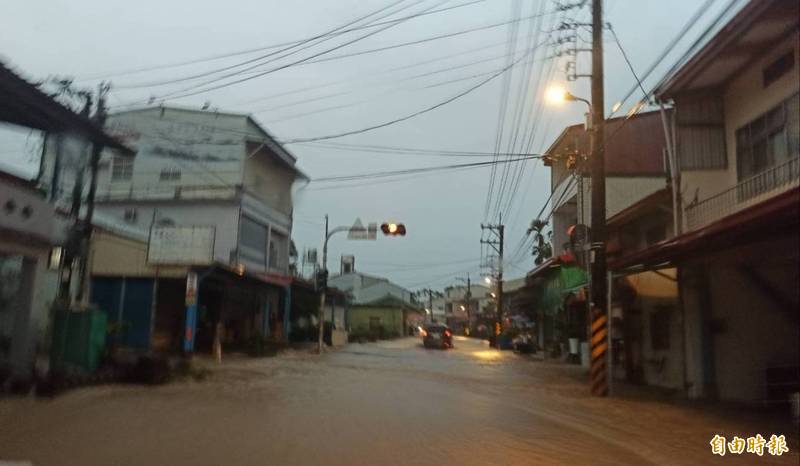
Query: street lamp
{"type": "Point", "coordinates": [487, 280]}
{"type": "Point", "coordinates": [556, 95]}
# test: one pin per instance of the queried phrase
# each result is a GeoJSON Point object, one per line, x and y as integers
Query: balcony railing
{"type": "Point", "coordinates": [153, 192]}
{"type": "Point", "coordinates": [746, 193]}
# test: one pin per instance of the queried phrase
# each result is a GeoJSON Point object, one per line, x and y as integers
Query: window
{"type": "Point", "coordinates": [778, 68]}
{"type": "Point", "coordinates": [659, 328]}
{"type": "Point", "coordinates": [170, 174]}
{"type": "Point", "coordinates": [769, 140]}
{"type": "Point", "coordinates": [278, 250]}
{"type": "Point", "coordinates": [375, 323]}
{"type": "Point", "coordinates": [253, 239]}
{"type": "Point", "coordinates": [130, 215]}
{"type": "Point", "coordinates": [121, 168]}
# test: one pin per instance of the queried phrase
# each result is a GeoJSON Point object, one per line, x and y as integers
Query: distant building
{"type": "Point", "coordinates": [366, 288]}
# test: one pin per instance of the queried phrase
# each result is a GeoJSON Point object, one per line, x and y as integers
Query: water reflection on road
{"type": "Point", "coordinates": [386, 403]}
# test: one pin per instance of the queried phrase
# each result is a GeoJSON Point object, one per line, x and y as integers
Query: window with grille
{"type": "Point", "coordinates": [170, 174]}
{"type": "Point", "coordinates": [253, 239]}
{"type": "Point", "coordinates": [769, 140]}
{"type": "Point", "coordinates": [121, 169]}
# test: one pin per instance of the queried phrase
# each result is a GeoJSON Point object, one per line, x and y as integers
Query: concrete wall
{"type": "Point", "coordinates": [662, 367]}
{"type": "Point", "coordinates": [223, 215]}
{"type": "Point", "coordinates": [206, 147]}
{"type": "Point", "coordinates": [270, 181]}
{"type": "Point", "coordinates": [750, 330]}
{"type": "Point", "coordinates": [621, 193]}
{"type": "Point", "coordinates": [390, 318]}
{"type": "Point", "coordinates": [116, 256]}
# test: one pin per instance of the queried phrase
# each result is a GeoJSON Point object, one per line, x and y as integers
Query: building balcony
{"type": "Point", "coordinates": [746, 193]}
{"type": "Point", "coordinates": [130, 191]}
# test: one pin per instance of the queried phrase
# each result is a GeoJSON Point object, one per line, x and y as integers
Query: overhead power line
{"type": "Point", "coordinates": [376, 149]}
{"type": "Point", "coordinates": [409, 171]}
{"type": "Point", "coordinates": [265, 59]}
{"type": "Point", "coordinates": [670, 46]}
{"type": "Point", "coordinates": [198, 88]}
{"type": "Point", "coordinates": [415, 114]}
{"type": "Point", "coordinates": [237, 53]}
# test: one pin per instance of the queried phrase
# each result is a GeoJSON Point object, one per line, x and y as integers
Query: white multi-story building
{"type": "Point", "coordinates": [204, 168]}
{"type": "Point", "coordinates": [219, 177]}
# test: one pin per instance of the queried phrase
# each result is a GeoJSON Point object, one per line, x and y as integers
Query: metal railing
{"type": "Point", "coordinates": [747, 192]}
{"type": "Point", "coordinates": [151, 192]}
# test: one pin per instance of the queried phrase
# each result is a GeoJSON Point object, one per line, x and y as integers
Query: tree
{"type": "Point", "coordinates": [542, 249]}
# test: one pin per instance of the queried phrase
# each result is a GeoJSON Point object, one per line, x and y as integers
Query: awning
{"type": "Point", "coordinates": [24, 104]}
{"type": "Point", "coordinates": [779, 214]}
{"type": "Point", "coordinates": [553, 283]}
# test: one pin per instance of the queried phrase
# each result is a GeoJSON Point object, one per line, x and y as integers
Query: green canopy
{"type": "Point", "coordinates": [556, 281]}
{"type": "Point", "coordinates": [573, 278]}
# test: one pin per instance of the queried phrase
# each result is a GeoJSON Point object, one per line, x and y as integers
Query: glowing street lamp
{"type": "Point", "coordinates": [488, 280]}
{"type": "Point", "coordinates": [557, 95]}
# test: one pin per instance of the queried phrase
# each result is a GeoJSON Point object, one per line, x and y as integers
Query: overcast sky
{"type": "Point", "coordinates": [442, 211]}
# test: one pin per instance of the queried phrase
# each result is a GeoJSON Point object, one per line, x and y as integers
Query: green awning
{"type": "Point", "coordinates": [573, 278]}
{"type": "Point", "coordinates": [556, 281]}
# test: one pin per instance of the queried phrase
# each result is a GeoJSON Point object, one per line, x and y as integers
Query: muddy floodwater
{"type": "Point", "coordinates": [388, 403]}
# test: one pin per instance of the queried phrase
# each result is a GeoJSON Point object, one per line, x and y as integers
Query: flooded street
{"type": "Point", "coordinates": [388, 403]}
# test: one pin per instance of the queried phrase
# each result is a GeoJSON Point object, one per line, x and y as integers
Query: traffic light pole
{"type": "Point", "coordinates": [393, 229]}
{"type": "Point", "coordinates": [322, 282]}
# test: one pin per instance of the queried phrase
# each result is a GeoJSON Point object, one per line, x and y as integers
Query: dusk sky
{"type": "Point", "coordinates": [93, 39]}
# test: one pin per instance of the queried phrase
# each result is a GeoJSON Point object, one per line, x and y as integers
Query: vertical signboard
{"type": "Point", "coordinates": [191, 311]}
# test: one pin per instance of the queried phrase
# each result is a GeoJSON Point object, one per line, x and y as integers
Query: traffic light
{"type": "Point", "coordinates": [321, 279]}
{"type": "Point", "coordinates": [393, 229]}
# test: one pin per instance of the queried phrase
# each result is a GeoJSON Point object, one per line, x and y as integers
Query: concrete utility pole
{"type": "Point", "coordinates": [430, 302]}
{"type": "Point", "coordinates": [499, 231]}
{"type": "Point", "coordinates": [322, 284]}
{"type": "Point", "coordinates": [97, 151]}
{"type": "Point", "coordinates": [467, 300]}
{"type": "Point", "coordinates": [599, 284]}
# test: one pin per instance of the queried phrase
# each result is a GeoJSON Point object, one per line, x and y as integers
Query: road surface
{"type": "Point", "coordinates": [388, 403]}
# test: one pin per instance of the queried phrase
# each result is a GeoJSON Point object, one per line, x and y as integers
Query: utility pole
{"type": "Point", "coordinates": [430, 302]}
{"type": "Point", "coordinates": [322, 284]}
{"type": "Point", "coordinates": [599, 284]}
{"type": "Point", "coordinates": [497, 244]}
{"type": "Point", "coordinates": [467, 300]}
{"type": "Point", "coordinates": [94, 161]}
